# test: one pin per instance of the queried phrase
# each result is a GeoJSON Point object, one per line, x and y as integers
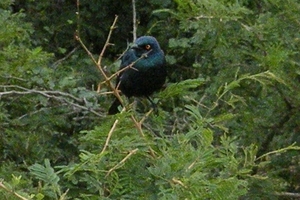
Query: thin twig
{"type": "Point", "coordinates": [109, 136]}
{"type": "Point", "coordinates": [138, 125]}
{"type": "Point", "coordinates": [98, 63]}
{"type": "Point", "coordinates": [121, 162]}
{"type": "Point", "coordinates": [179, 182]}
{"type": "Point", "coordinates": [78, 18]}
{"type": "Point", "coordinates": [134, 20]}
{"type": "Point", "coordinates": [145, 116]}
{"type": "Point", "coordinates": [278, 151]}
{"type": "Point", "coordinates": [105, 93]}
{"type": "Point", "coordinates": [49, 94]}
{"type": "Point", "coordinates": [12, 192]}
{"type": "Point", "coordinates": [115, 90]}
{"type": "Point", "coordinates": [288, 194]}
{"type": "Point", "coordinates": [64, 195]}
{"type": "Point", "coordinates": [14, 77]}
{"type": "Point", "coordinates": [55, 64]}
{"type": "Point", "coordinates": [45, 92]}
{"type": "Point", "coordinates": [87, 50]}
{"type": "Point", "coordinates": [119, 71]}
{"type": "Point", "coordinates": [107, 43]}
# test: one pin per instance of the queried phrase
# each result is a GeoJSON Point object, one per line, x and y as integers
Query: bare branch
{"type": "Point", "coordinates": [288, 194]}
{"type": "Point", "coordinates": [107, 43]}
{"type": "Point", "coordinates": [278, 151]}
{"type": "Point", "coordinates": [138, 125]}
{"type": "Point", "coordinates": [109, 135]}
{"type": "Point", "coordinates": [11, 191]}
{"type": "Point", "coordinates": [45, 93]}
{"type": "Point", "coordinates": [14, 77]}
{"type": "Point", "coordinates": [98, 63]}
{"type": "Point", "coordinates": [134, 20]}
{"type": "Point", "coordinates": [55, 64]}
{"type": "Point", "coordinates": [86, 49]}
{"type": "Point", "coordinates": [57, 95]}
{"type": "Point", "coordinates": [121, 162]}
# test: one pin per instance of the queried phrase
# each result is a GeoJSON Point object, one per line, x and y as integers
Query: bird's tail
{"type": "Point", "coordinates": [113, 109]}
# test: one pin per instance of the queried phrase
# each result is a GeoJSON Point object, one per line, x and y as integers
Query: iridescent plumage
{"type": "Point", "coordinates": [148, 73]}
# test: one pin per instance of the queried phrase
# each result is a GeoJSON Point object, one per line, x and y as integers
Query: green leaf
{"type": "Point", "coordinates": [44, 173]}
{"type": "Point", "coordinates": [181, 88]}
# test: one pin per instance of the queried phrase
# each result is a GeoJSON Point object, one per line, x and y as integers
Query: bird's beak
{"type": "Point", "coordinates": [135, 46]}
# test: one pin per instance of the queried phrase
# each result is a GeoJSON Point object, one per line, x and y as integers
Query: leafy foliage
{"type": "Point", "coordinates": [227, 126]}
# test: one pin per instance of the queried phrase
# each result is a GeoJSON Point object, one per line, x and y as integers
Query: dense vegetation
{"type": "Point", "coordinates": [228, 122]}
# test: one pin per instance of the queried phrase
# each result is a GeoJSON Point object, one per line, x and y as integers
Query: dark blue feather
{"type": "Point", "coordinates": [148, 73]}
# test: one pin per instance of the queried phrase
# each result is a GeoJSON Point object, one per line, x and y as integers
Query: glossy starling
{"type": "Point", "coordinates": [148, 73]}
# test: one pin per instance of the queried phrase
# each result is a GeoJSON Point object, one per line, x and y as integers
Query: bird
{"type": "Point", "coordinates": [146, 75]}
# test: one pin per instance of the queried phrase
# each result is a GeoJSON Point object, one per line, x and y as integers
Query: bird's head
{"type": "Point", "coordinates": [147, 45]}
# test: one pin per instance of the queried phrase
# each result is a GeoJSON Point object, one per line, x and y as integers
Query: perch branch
{"type": "Point", "coordinates": [98, 63]}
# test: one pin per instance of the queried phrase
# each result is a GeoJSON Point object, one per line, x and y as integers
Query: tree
{"type": "Point", "coordinates": [227, 124]}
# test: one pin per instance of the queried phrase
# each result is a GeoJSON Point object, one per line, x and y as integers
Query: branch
{"type": "Point", "coordinates": [44, 93]}
{"type": "Point", "coordinates": [50, 94]}
{"type": "Point", "coordinates": [278, 151]}
{"type": "Point", "coordinates": [121, 162]}
{"type": "Point", "coordinates": [14, 77]}
{"type": "Point", "coordinates": [107, 43]}
{"type": "Point", "coordinates": [11, 191]}
{"type": "Point", "coordinates": [109, 136]}
{"type": "Point", "coordinates": [288, 194]}
{"type": "Point", "coordinates": [55, 64]}
{"type": "Point", "coordinates": [107, 79]}
{"type": "Point", "coordinates": [86, 49]}
{"type": "Point", "coordinates": [134, 20]}
{"type": "Point", "coordinates": [138, 125]}
{"type": "Point", "coordinates": [115, 90]}
{"type": "Point", "coordinates": [98, 63]}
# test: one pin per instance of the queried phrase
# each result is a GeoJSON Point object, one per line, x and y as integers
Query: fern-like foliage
{"type": "Point", "coordinates": [48, 177]}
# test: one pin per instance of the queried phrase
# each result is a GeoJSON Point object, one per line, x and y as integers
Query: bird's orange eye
{"type": "Point", "coordinates": [148, 47]}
